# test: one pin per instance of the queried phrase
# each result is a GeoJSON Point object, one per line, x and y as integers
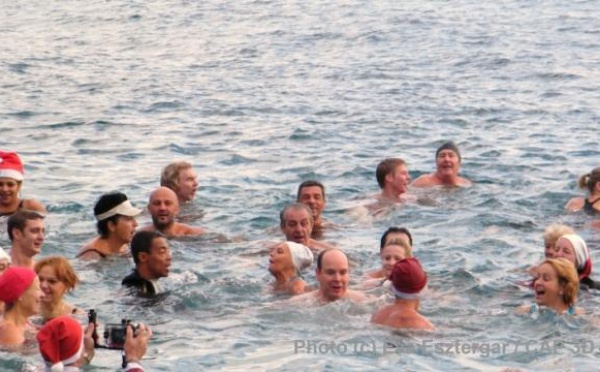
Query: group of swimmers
{"type": "Point", "coordinates": [556, 280]}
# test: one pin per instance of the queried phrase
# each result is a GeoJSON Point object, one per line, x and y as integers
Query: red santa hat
{"type": "Point", "coordinates": [61, 342]}
{"type": "Point", "coordinates": [11, 166]}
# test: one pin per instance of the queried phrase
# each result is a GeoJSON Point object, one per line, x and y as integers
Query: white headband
{"type": "Point", "coordinates": [125, 209]}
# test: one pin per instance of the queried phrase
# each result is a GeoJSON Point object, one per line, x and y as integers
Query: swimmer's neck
{"type": "Point", "coordinates": [19, 259]}
{"type": "Point", "coordinates": [403, 303]}
{"type": "Point", "coordinates": [282, 277]}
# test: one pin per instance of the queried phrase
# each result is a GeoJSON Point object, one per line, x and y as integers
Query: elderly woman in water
{"type": "Point", "coordinates": [573, 248]}
{"type": "Point", "coordinates": [11, 181]}
{"type": "Point", "coordinates": [20, 291]}
{"type": "Point", "coordinates": [57, 277]}
{"type": "Point", "coordinates": [285, 263]}
{"type": "Point", "coordinates": [555, 287]}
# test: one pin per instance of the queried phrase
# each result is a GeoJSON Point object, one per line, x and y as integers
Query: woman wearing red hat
{"type": "Point", "coordinates": [11, 181]}
{"type": "Point", "coordinates": [20, 291]}
{"type": "Point", "coordinates": [408, 280]}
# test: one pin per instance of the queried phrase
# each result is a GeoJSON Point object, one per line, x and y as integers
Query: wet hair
{"type": "Point", "coordinates": [386, 167]}
{"type": "Point", "coordinates": [170, 174]}
{"type": "Point", "coordinates": [63, 269]}
{"type": "Point", "coordinates": [448, 146]}
{"type": "Point", "coordinates": [589, 180]}
{"type": "Point", "coordinates": [18, 220]}
{"type": "Point", "coordinates": [567, 277]}
{"type": "Point", "coordinates": [555, 231]}
{"type": "Point", "coordinates": [142, 242]}
{"type": "Point", "coordinates": [399, 230]}
{"type": "Point", "coordinates": [105, 203]}
{"type": "Point", "coordinates": [323, 252]}
{"type": "Point", "coordinates": [310, 183]}
{"type": "Point", "coordinates": [295, 206]}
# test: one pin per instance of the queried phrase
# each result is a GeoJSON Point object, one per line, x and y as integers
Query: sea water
{"type": "Point", "coordinates": [261, 95]}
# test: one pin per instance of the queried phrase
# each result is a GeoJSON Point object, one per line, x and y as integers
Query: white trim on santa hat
{"type": "Point", "coordinates": [11, 166]}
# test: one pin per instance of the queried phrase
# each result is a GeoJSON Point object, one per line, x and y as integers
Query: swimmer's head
{"type": "Point", "coordinates": [333, 274]}
{"type": "Point", "coordinates": [296, 222]}
{"type": "Point", "coordinates": [180, 177]}
{"type": "Point", "coordinates": [289, 256]}
{"type": "Point", "coordinates": [556, 278]}
{"type": "Point", "coordinates": [11, 166]}
{"type": "Point", "coordinates": [589, 180]}
{"type": "Point", "coordinates": [551, 235]}
{"type": "Point", "coordinates": [449, 146]}
{"type": "Point", "coordinates": [386, 167]}
{"type": "Point", "coordinates": [408, 278]}
{"type": "Point", "coordinates": [110, 208]}
{"type": "Point", "coordinates": [395, 233]}
{"type": "Point", "coordinates": [392, 253]}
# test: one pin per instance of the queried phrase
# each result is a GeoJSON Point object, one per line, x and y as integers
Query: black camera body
{"type": "Point", "coordinates": [114, 333]}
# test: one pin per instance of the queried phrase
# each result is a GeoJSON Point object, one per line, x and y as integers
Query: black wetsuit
{"type": "Point", "coordinates": [144, 286]}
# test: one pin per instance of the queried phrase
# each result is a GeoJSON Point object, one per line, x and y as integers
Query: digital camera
{"type": "Point", "coordinates": [114, 333]}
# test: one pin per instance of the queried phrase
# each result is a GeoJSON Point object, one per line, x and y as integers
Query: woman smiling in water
{"type": "Point", "coordinates": [555, 287]}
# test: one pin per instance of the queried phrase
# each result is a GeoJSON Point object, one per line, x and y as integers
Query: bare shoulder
{"type": "Point", "coordinates": [317, 245]}
{"type": "Point", "coordinates": [90, 250]}
{"type": "Point", "coordinates": [523, 309]}
{"type": "Point", "coordinates": [575, 204]}
{"type": "Point", "coordinates": [187, 230]}
{"type": "Point", "coordinates": [425, 180]}
{"type": "Point", "coordinates": [34, 205]}
{"type": "Point", "coordinates": [89, 255]}
{"type": "Point", "coordinates": [357, 295]}
{"type": "Point", "coordinates": [297, 287]}
{"type": "Point", "coordinates": [463, 182]}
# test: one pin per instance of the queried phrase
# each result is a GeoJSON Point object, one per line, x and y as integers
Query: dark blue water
{"type": "Point", "coordinates": [260, 95]}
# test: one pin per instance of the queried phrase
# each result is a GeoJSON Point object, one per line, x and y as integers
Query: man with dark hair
{"type": "Point", "coordinates": [396, 233]}
{"type": "Point", "coordinates": [115, 222]}
{"type": "Point", "coordinates": [296, 223]}
{"type": "Point", "coordinates": [312, 194]}
{"type": "Point", "coordinates": [26, 233]}
{"type": "Point", "coordinates": [152, 258]}
{"type": "Point", "coordinates": [447, 161]}
{"type": "Point", "coordinates": [393, 179]}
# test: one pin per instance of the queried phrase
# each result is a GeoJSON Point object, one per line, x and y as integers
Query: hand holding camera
{"type": "Point", "coordinates": [136, 344]}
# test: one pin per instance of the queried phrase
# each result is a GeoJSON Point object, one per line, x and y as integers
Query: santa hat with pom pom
{"type": "Point", "coordinates": [61, 342]}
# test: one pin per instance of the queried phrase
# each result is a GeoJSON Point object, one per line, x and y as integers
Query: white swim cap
{"type": "Point", "coordinates": [302, 257]}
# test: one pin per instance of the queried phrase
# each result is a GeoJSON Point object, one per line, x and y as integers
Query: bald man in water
{"type": "Point", "coordinates": [164, 207]}
{"type": "Point", "coordinates": [333, 275]}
